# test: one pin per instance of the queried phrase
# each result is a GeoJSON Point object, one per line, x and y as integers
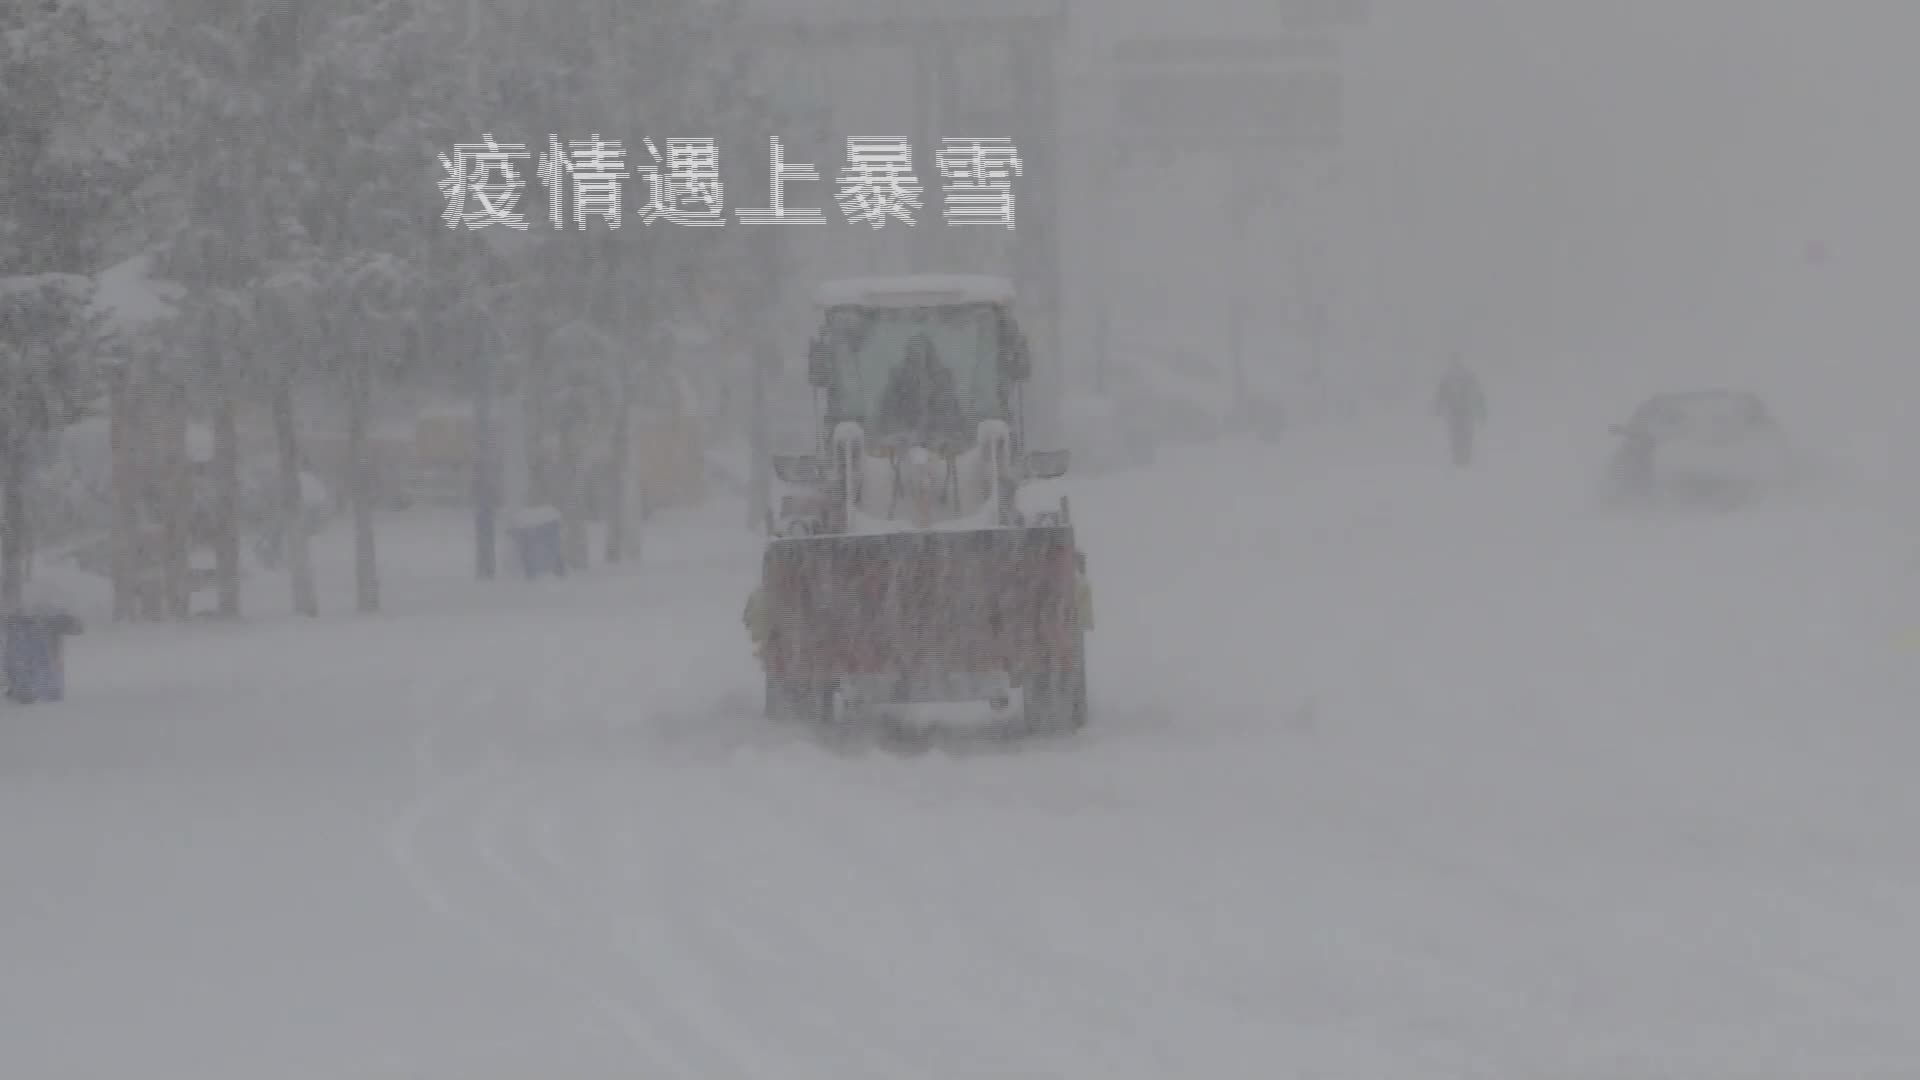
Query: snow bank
{"type": "Point", "coordinates": [130, 298]}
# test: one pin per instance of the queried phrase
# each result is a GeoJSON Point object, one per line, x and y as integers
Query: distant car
{"type": "Point", "coordinates": [1176, 397]}
{"type": "Point", "coordinates": [1106, 436]}
{"type": "Point", "coordinates": [1701, 447]}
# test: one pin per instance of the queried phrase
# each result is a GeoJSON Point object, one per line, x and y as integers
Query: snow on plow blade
{"type": "Point", "coordinates": [920, 602]}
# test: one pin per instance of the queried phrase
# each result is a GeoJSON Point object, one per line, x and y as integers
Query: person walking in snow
{"type": "Point", "coordinates": [1461, 403]}
{"type": "Point", "coordinates": [921, 400]}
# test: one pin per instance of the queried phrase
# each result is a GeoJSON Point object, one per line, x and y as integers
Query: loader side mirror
{"type": "Point", "coordinates": [796, 468]}
{"type": "Point", "coordinates": [1047, 464]}
{"type": "Point", "coordinates": [1016, 358]}
{"type": "Point", "coordinates": [819, 364]}
{"type": "Point", "coordinates": [1020, 359]}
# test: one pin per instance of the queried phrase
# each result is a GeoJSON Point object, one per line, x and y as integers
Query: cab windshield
{"type": "Point", "coordinates": [871, 346]}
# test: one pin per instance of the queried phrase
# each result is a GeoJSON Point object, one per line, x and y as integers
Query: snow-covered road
{"type": "Point", "coordinates": [1394, 773]}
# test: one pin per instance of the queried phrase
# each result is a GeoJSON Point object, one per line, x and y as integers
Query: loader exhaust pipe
{"type": "Point", "coordinates": [849, 446]}
{"type": "Point", "coordinates": [996, 438]}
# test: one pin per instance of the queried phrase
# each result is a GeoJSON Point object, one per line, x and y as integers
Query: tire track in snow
{"type": "Point", "coordinates": [587, 934]}
{"type": "Point", "coordinates": [444, 796]}
{"type": "Point", "coordinates": [652, 856]}
{"type": "Point", "coordinates": [686, 864]}
{"type": "Point", "coordinates": [706, 954]}
{"type": "Point", "coordinates": [440, 795]}
{"type": "Point", "coordinates": [632, 927]}
{"type": "Point", "coordinates": [468, 1060]}
{"type": "Point", "coordinates": [1020, 985]}
{"type": "Point", "coordinates": [777, 832]}
{"type": "Point", "coordinates": [1119, 1010]}
{"type": "Point", "coordinates": [756, 925]}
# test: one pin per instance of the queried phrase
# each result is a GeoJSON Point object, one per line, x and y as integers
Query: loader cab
{"type": "Point", "coordinates": [871, 330]}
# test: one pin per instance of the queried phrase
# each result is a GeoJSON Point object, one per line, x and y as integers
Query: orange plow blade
{"type": "Point", "coordinates": [919, 603]}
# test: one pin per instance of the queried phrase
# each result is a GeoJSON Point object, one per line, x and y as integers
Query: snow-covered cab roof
{"type": "Point", "coordinates": [919, 290]}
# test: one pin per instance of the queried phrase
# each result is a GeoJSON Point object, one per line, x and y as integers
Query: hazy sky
{"type": "Point", "coordinates": [1666, 164]}
{"type": "Point", "coordinates": [1693, 176]}
{"type": "Point", "coordinates": [1706, 187]}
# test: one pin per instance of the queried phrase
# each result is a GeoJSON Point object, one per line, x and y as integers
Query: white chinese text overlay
{"type": "Point", "coordinates": [584, 180]}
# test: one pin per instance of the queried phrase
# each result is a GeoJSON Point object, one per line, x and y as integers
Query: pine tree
{"type": "Point", "coordinates": [52, 186]}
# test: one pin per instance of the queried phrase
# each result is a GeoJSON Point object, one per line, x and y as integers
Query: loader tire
{"type": "Point", "coordinates": [799, 700]}
{"type": "Point", "coordinates": [1056, 693]}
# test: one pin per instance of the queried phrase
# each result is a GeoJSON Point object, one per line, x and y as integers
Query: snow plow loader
{"type": "Point", "coordinates": [922, 554]}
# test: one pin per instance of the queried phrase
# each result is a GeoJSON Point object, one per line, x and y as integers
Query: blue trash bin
{"type": "Point", "coordinates": [540, 549]}
{"type": "Point", "coordinates": [35, 656]}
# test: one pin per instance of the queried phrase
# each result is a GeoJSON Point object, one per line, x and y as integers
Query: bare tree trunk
{"type": "Point", "coordinates": [619, 474]}
{"type": "Point", "coordinates": [177, 506]}
{"type": "Point", "coordinates": [293, 528]}
{"type": "Point", "coordinates": [26, 536]}
{"type": "Point", "coordinates": [360, 479]}
{"type": "Point", "coordinates": [486, 472]}
{"type": "Point", "coordinates": [126, 505]}
{"type": "Point", "coordinates": [13, 530]}
{"type": "Point", "coordinates": [226, 479]}
{"type": "Point", "coordinates": [535, 392]}
{"type": "Point", "coordinates": [573, 523]}
{"type": "Point", "coordinates": [533, 427]}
